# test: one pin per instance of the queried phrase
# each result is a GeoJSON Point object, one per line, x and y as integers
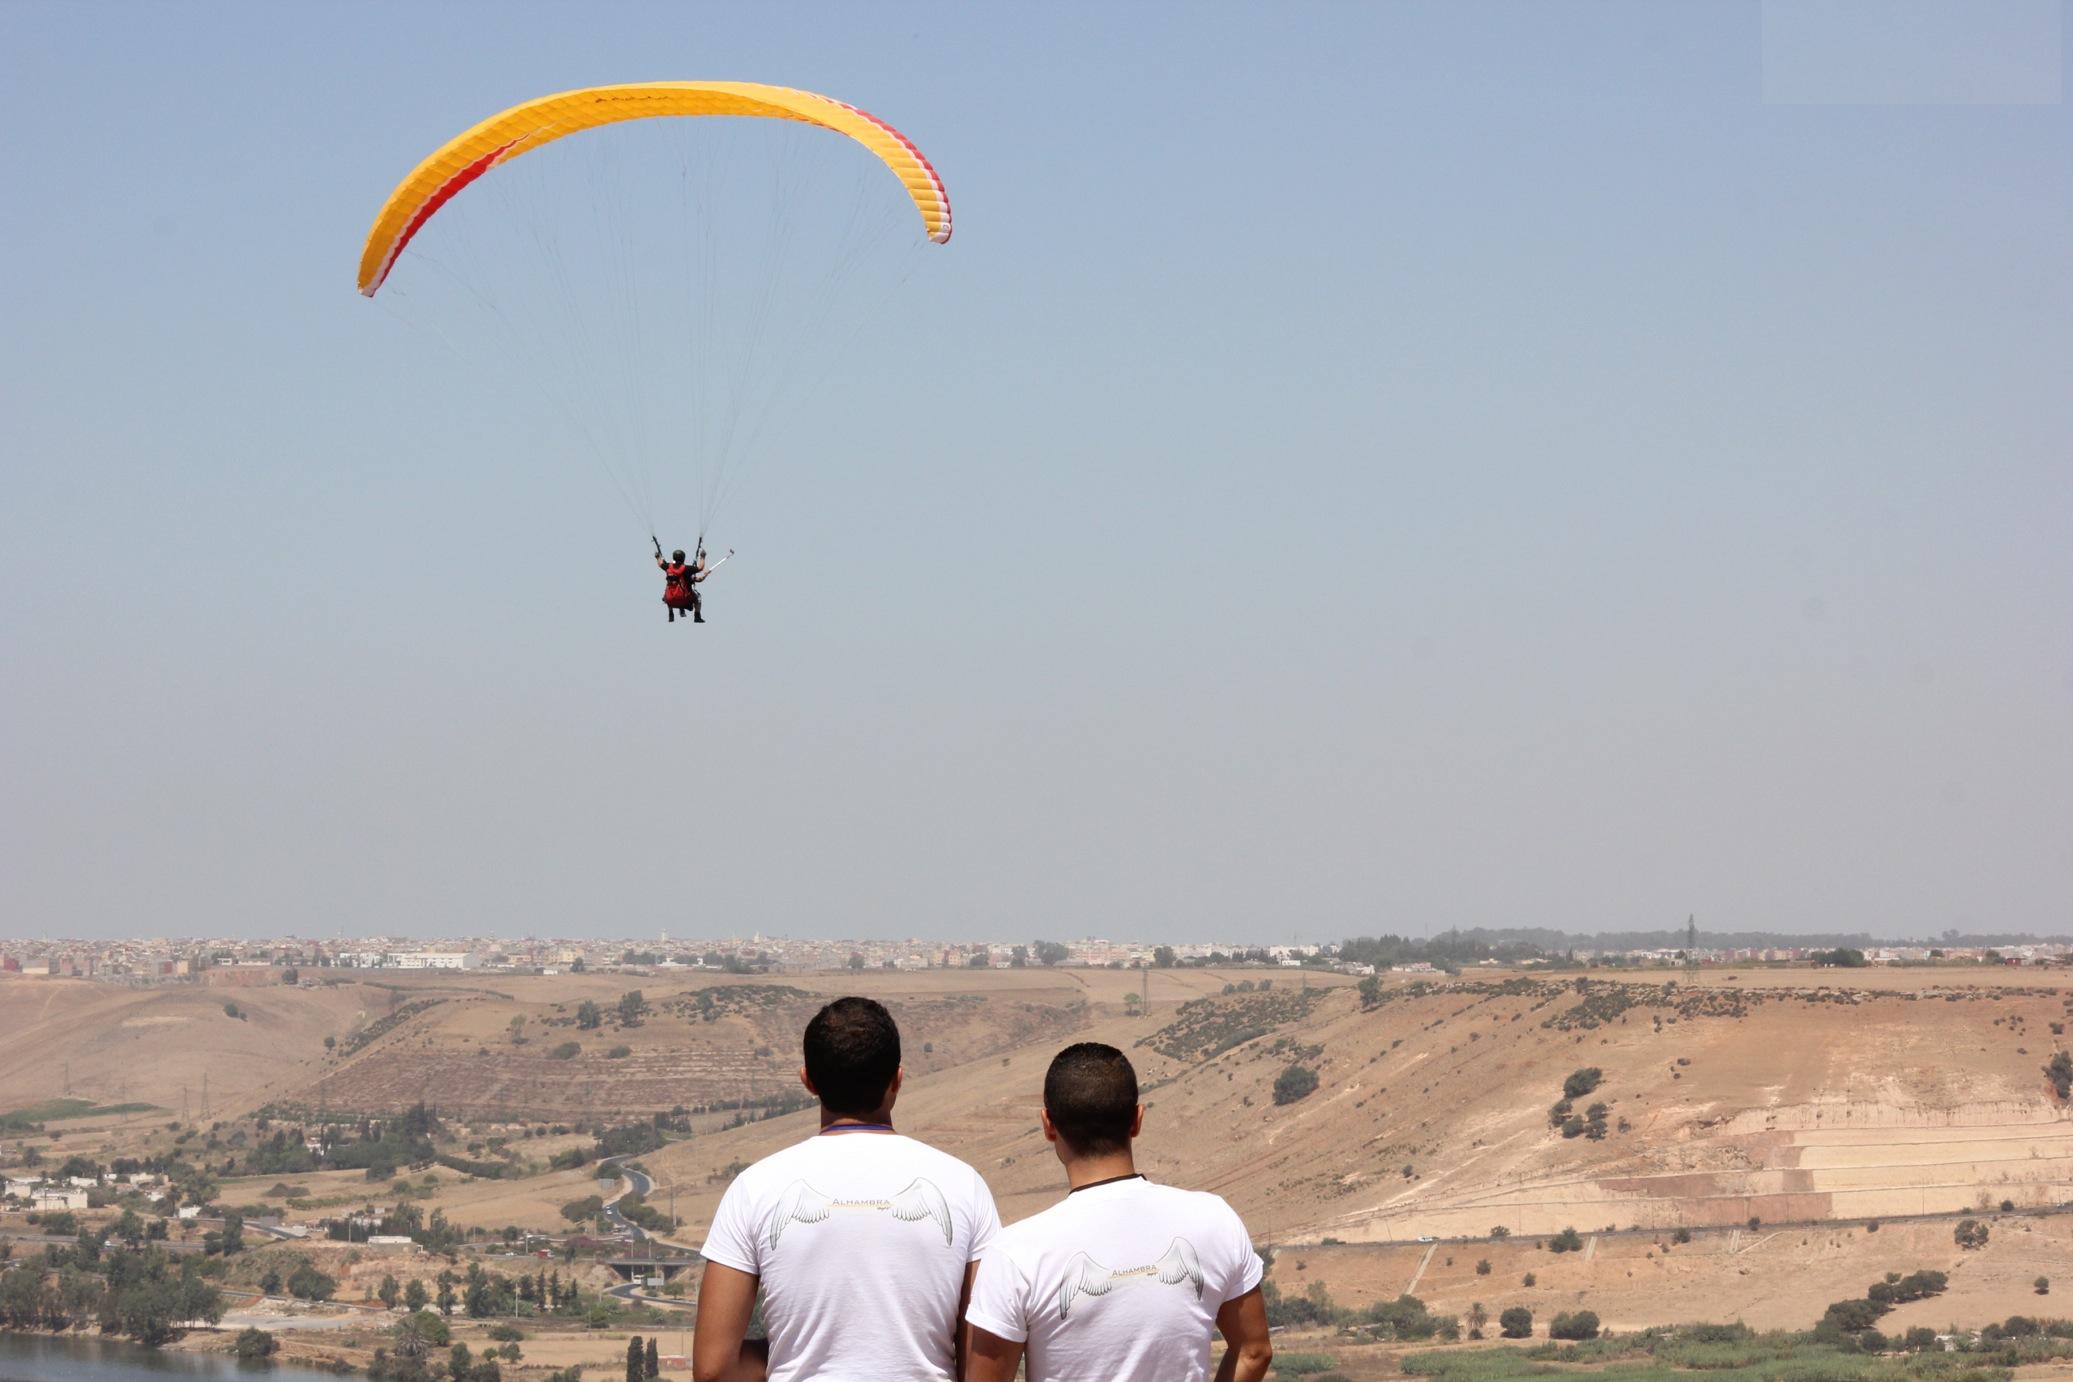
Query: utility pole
{"type": "Point", "coordinates": [68, 1077]}
{"type": "Point", "coordinates": [205, 1094]}
{"type": "Point", "coordinates": [1691, 948]}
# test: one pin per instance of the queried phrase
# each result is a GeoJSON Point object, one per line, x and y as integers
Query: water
{"type": "Point", "coordinates": [41, 1358]}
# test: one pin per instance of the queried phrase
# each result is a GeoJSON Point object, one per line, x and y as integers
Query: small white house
{"type": "Point", "coordinates": [47, 1200]}
{"type": "Point", "coordinates": [188, 1211]}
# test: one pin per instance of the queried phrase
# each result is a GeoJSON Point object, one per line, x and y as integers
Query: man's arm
{"type": "Point", "coordinates": [726, 1299]}
{"type": "Point", "coordinates": [1243, 1323]}
{"type": "Point", "coordinates": [960, 1332]}
{"type": "Point", "coordinates": [988, 1357]}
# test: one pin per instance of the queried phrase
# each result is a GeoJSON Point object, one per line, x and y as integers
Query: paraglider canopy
{"type": "Point", "coordinates": [531, 124]}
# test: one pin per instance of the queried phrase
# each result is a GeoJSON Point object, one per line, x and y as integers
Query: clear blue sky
{"type": "Point", "coordinates": [1356, 468]}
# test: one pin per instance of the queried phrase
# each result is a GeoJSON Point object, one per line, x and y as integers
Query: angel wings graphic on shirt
{"type": "Point", "coordinates": [802, 1204]}
{"type": "Point", "coordinates": [1085, 1277]}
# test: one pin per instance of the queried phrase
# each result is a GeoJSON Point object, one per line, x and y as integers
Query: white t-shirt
{"type": "Point", "coordinates": [1119, 1282]}
{"type": "Point", "coordinates": [861, 1240]}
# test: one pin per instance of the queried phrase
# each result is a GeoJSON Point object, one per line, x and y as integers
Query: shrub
{"type": "Point", "coordinates": [1294, 1083]}
{"type": "Point", "coordinates": [568, 1050]}
{"type": "Point", "coordinates": [255, 1344]}
{"type": "Point", "coordinates": [1500, 1232]}
{"type": "Point", "coordinates": [1483, 1267]}
{"type": "Point", "coordinates": [619, 1053]}
{"type": "Point", "coordinates": [1568, 1240]}
{"type": "Point", "coordinates": [1528, 1279]}
{"type": "Point", "coordinates": [1681, 1235]}
{"type": "Point", "coordinates": [2008, 1206]}
{"type": "Point", "coordinates": [2042, 1285]}
{"type": "Point", "coordinates": [1516, 1323]}
{"type": "Point", "coordinates": [1969, 1234]}
{"type": "Point", "coordinates": [1583, 1324]}
{"type": "Point", "coordinates": [1919, 1338]}
{"type": "Point", "coordinates": [1582, 1082]}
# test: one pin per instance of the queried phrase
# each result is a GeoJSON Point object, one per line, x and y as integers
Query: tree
{"type": "Point", "coordinates": [389, 1293]}
{"type": "Point", "coordinates": [636, 1360]}
{"type": "Point", "coordinates": [270, 1284]}
{"type": "Point", "coordinates": [446, 1296]}
{"type": "Point", "coordinates": [1163, 956]}
{"type": "Point", "coordinates": [653, 1361]}
{"type": "Point", "coordinates": [589, 1015]}
{"type": "Point", "coordinates": [1969, 1234]}
{"type": "Point", "coordinates": [415, 1296]}
{"type": "Point", "coordinates": [1477, 1318]}
{"type": "Point", "coordinates": [2060, 1073]}
{"type": "Point", "coordinates": [307, 1283]}
{"type": "Point", "coordinates": [1568, 1240]}
{"type": "Point", "coordinates": [1516, 1323]}
{"type": "Point", "coordinates": [1370, 992]}
{"type": "Point", "coordinates": [419, 1332]}
{"type": "Point", "coordinates": [1018, 958]}
{"type": "Point", "coordinates": [1051, 953]}
{"type": "Point", "coordinates": [1296, 1082]}
{"type": "Point", "coordinates": [330, 1043]}
{"type": "Point", "coordinates": [856, 959]}
{"type": "Point", "coordinates": [1582, 1082]}
{"type": "Point", "coordinates": [1583, 1324]}
{"type": "Point", "coordinates": [2042, 1285]}
{"type": "Point", "coordinates": [632, 1008]}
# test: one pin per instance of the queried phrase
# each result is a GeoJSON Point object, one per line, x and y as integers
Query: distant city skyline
{"type": "Point", "coordinates": [1355, 469]}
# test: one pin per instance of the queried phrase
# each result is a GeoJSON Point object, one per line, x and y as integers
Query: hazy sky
{"type": "Point", "coordinates": [1355, 468]}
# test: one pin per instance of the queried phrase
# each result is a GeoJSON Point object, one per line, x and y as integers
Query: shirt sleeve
{"type": "Point", "coordinates": [999, 1297]}
{"type": "Point", "coordinates": [1248, 1269]}
{"type": "Point", "coordinates": [732, 1240]}
{"type": "Point", "coordinates": [986, 1219]}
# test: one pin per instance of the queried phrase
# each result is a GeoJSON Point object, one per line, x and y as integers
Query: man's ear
{"type": "Point", "coordinates": [807, 1080]}
{"type": "Point", "coordinates": [892, 1091]}
{"type": "Point", "coordinates": [1050, 1128]}
{"type": "Point", "coordinates": [1137, 1122]}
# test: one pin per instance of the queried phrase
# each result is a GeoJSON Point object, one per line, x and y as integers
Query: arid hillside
{"type": "Point", "coordinates": [1432, 1113]}
{"type": "Point", "coordinates": [1433, 1110]}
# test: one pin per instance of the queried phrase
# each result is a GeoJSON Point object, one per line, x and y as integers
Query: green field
{"type": "Point", "coordinates": [1721, 1354]}
{"type": "Point", "coordinates": [54, 1110]}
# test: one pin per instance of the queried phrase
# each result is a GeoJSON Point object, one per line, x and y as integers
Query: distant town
{"type": "Point", "coordinates": [231, 962]}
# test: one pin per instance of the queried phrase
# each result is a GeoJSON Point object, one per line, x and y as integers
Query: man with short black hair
{"type": "Point", "coordinates": [862, 1241]}
{"type": "Point", "coordinates": [1124, 1280]}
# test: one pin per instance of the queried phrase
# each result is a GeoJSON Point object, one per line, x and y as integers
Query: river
{"type": "Point", "coordinates": [45, 1358]}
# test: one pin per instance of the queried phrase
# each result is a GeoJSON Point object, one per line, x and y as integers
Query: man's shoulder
{"type": "Point", "coordinates": [939, 1162]}
{"type": "Point", "coordinates": [777, 1166]}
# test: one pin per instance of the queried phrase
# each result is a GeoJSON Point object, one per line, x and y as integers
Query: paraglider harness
{"type": "Point", "coordinates": [680, 590]}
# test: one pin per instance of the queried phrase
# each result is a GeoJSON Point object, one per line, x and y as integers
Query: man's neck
{"type": "Point", "coordinates": [880, 1121]}
{"type": "Point", "coordinates": [1083, 1171]}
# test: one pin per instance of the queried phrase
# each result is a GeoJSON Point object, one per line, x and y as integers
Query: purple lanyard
{"type": "Point", "coordinates": [856, 1127]}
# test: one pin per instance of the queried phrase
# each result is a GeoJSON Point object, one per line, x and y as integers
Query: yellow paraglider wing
{"type": "Point", "coordinates": [504, 137]}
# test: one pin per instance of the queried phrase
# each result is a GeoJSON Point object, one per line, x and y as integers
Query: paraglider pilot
{"type": "Point", "coordinates": [681, 580]}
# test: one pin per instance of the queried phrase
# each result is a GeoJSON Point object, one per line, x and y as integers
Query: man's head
{"type": "Point", "coordinates": [677, 556]}
{"type": "Point", "coordinates": [1090, 1100]}
{"type": "Point", "coordinates": [853, 1057]}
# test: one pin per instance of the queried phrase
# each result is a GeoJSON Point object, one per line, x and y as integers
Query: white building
{"type": "Point", "coordinates": [434, 959]}
{"type": "Point", "coordinates": [58, 1199]}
